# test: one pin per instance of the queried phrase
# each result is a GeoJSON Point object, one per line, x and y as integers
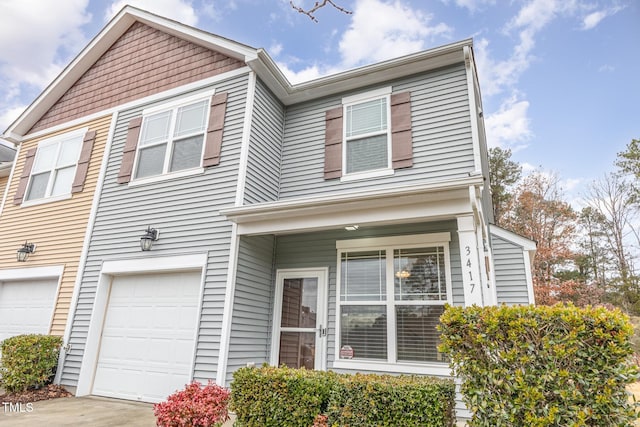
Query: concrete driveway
{"type": "Point", "coordinates": [79, 411]}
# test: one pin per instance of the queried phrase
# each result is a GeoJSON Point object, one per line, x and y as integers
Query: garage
{"type": "Point", "coordinates": [26, 307]}
{"type": "Point", "coordinates": [148, 337]}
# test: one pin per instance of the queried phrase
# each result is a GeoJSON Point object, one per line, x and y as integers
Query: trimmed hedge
{"type": "Point", "coordinates": [28, 361]}
{"type": "Point", "coordinates": [269, 396]}
{"type": "Point", "coordinates": [542, 366]}
{"type": "Point", "coordinates": [386, 400]}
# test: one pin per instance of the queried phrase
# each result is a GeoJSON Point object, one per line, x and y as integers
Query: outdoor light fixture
{"type": "Point", "coordinates": [150, 236]}
{"type": "Point", "coordinates": [25, 250]}
{"type": "Point", "coordinates": [352, 227]}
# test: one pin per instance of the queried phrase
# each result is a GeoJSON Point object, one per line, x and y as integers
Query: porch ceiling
{"type": "Point", "coordinates": [429, 202]}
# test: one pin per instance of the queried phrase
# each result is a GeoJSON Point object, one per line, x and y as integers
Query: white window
{"type": "Point", "coordinates": [391, 293]}
{"type": "Point", "coordinates": [172, 139]}
{"type": "Point", "coordinates": [367, 138]}
{"type": "Point", "coordinates": [54, 166]}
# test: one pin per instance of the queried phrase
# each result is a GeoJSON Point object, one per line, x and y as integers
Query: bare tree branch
{"type": "Point", "coordinates": [316, 6]}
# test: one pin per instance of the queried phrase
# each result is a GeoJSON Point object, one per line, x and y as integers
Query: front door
{"type": "Point", "coordinates": [300, 324]}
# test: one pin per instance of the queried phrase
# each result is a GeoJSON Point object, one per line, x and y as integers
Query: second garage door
{"type": "Point", "coordinates": [26, 307]}
{"type": "Point", "coordinates": [148, 338]}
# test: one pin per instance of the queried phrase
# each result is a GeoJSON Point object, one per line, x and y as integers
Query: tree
{"type": "Point", "coordinates": [611, 198]}
{"type": "Point", "coordinates": [537, 211]}
{"type": "Point", "coordinates": [629, 160]}
{"type": "Point", "coordinates": [629, 163]}
{"type": "Point", "coordinates": [503, 174]}
{"type": "Point", "coordinates": [595, 255]}
{"type": "Point", "coordinates": [318, 5]}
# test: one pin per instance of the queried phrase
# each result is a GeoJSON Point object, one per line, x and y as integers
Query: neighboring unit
{"type": "Point", "coordinates": [43, 224]}
{"type": "Point", "coordinates": [323, 225]}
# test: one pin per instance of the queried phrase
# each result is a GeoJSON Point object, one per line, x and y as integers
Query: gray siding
{"type": "Point", "coordinates": [186, 211]}
{"type": "Point", "coordinates": [253, 304]}
{"type": "Point", "coordinates": [265, 148]}
{"type": "Point", "coordinates": [442, 143]}
{"type": "Point", "coordinates": [511, 279]}
{"type": "Point", "coordinates": [319, 250]}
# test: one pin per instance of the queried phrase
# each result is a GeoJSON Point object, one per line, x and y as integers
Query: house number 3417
{"type": "Point", "coordinates": [469, 265]}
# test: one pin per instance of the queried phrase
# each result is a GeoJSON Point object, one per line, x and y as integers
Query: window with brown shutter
{"type": "Point", "coordinates": [370, 135]}
{"type": "Point", "coordinates": [174, 139]}
{"type": "Point", "coordinates": [50, 170]}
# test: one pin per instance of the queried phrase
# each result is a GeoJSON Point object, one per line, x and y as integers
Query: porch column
{"type": "Point", "coordinates": [471, 277]}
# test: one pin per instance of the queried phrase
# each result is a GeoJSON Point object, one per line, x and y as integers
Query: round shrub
{"type": "Point", "coordinates": [28, 361]}
{"type": "Point", "coordinates": [195, 406]}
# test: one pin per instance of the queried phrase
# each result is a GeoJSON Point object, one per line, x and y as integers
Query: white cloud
{"type": "Point", "coordinates": [527, 168]}
{"type": "Point", "coordinates": [37, 37]}
{"type": "Point", "coordinates": [591, 20]}
{"type": "Point", "coordinates": [499, 75]}
{"type": "Point", "coordinates": [473, 5]}
{"type": "Point", "coordinates": [606, 68]}
{"type": "Point", "coordinates": [379, 30]}
{"type": "Point", "coordinates": [275, 49]}
{"type": "Point", "coordinates": [570, 184]}
{"type": "Point", "coordinates": [309, 73]}
{"type": "Point", "coordinates": [178, 10]}
{"type": "Point", "coordinates": [509, 127]}
{"type": "Point", "coordinates": [9, 115]}
{"type": "Point", "coordinates": [306, 74]}
{"type": "Point", "coordinates": [382, 30]}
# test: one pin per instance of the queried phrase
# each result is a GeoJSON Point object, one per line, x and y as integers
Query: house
{"type": "Point", "coordinates": [323, 225]}
{"type": "Point", "coordinates": [43, 217]}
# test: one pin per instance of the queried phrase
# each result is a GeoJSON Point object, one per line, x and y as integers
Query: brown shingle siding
{"type": "Point", "coordinates": [142, 62]}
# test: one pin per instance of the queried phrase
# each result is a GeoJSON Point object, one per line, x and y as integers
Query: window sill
{"type": "Point", "coordinates": [42, 201]}
{"type": "Point", "coordinates": [431, 368]}
{"type": "Point", "coordinates": [366, 175]}
{"type": "Point", "coordinates": [166, 177]}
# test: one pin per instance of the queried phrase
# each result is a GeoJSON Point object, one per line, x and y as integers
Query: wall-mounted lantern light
{"type": "Point", "coordinates": [25, 250]}
{"type": "Point", "coordinates": [150, 236]}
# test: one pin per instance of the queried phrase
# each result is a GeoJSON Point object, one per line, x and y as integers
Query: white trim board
{"type": "Point", "coordinates": [31, 273]}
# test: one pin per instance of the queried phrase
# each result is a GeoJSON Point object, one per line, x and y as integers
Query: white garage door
{"type": "Point", "coordinates": [148, 338]}
{"type": "Point", "coordinates": [26, 307]}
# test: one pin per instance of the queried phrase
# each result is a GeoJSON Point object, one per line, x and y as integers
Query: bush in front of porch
{"type": "Point", "coordinates": [542, 366]}
{"type": "Point", "coordinates": [270, 396]}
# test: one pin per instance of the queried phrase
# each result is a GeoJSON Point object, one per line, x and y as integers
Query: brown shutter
{"type": "Point", "coordinates": [213, 141]}
{"type": "Point", "coordinates": [401, 139]}
{"type": "Point", "coordinates": [333, 143]}
{"type": "Point", "coordinates": [129, 153]}
{"type": "Point", "coordinates": [24, 178]}
{"type": "Point", "coordinates": [83, 162]}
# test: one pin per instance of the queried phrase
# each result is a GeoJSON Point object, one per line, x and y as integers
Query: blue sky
{"type": "Point", "coordinates": [560, 79]}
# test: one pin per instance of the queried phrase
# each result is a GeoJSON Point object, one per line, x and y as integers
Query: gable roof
{"type": "Point", "coordinates": [101, 43]}
{"type": "Point", "coordinates": [510, 236]}
{"type": "Point", "coordinates": [257, 59]}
